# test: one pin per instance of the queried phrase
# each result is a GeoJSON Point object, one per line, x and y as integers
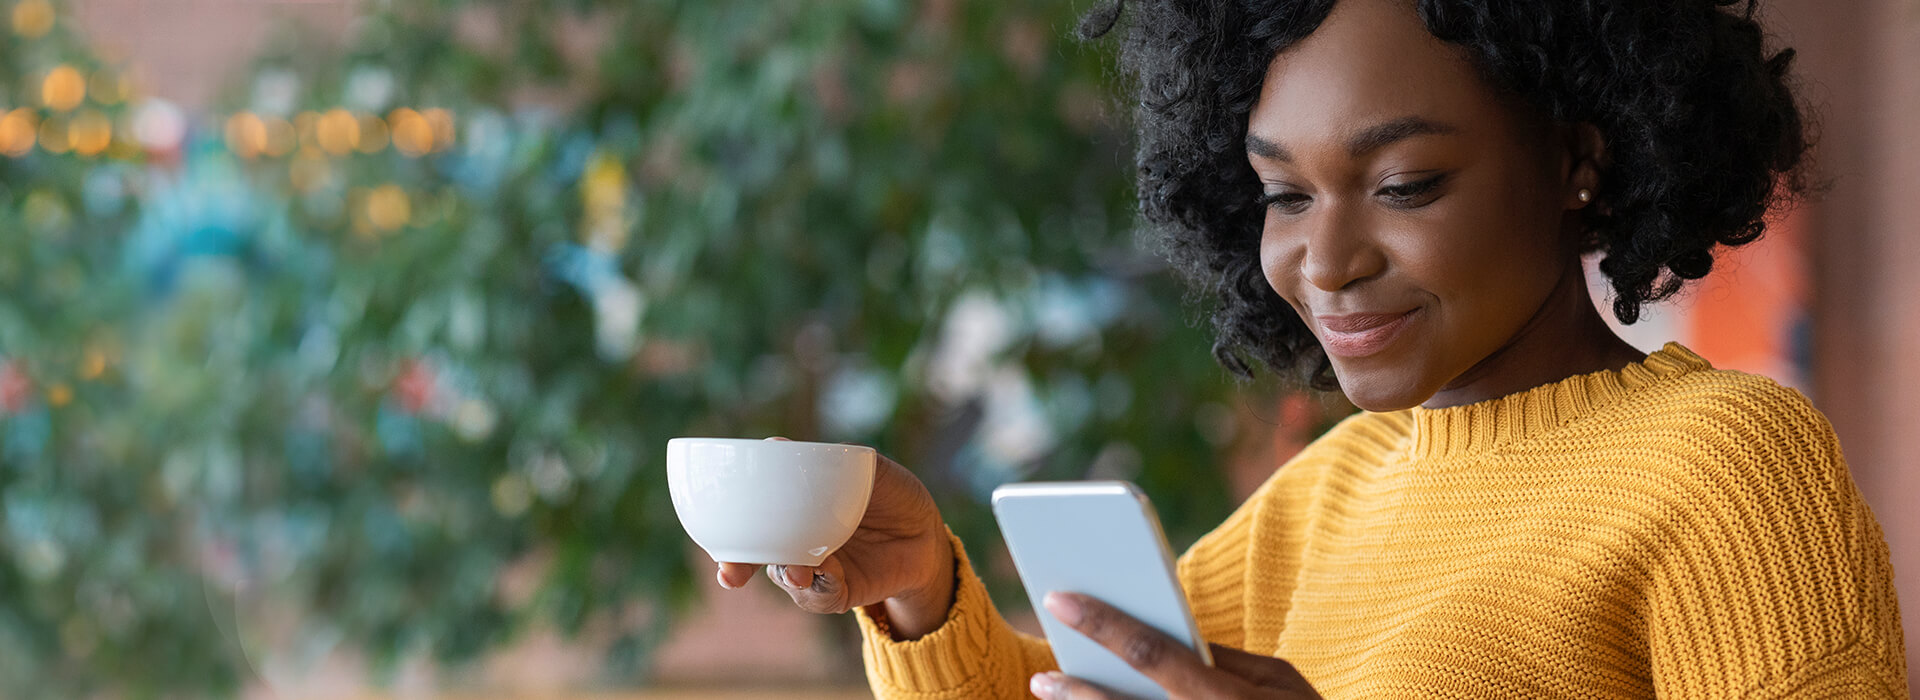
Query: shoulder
{"type": "Point", "coordinates": [1738, 458]}
{"type": "Point", "coordinates": [1733, 400]}
{"type": "Point", "coordinates": [1735, 429]}
{"type": "Point", "coordinates": [1755, 519]}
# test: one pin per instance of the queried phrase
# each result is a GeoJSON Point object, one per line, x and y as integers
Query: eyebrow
{"type": "Point", "coordinates": [1363, 142]}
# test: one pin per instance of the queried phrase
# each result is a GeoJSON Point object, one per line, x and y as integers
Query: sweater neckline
{"type": "Point", "coordinates": [1480, 427]}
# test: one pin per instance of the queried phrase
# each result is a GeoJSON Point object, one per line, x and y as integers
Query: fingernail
{"type": "Point", "coordinates": [793, 578]}
{"type": "Point", "coordinates": [1064, 607]}
{"type": "Point", "coordinates": [1044, 685]}
{"type": "Point", "coordinates": [721, 575]}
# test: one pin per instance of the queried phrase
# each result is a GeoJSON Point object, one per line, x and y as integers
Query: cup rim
{"type": "Point", "coordinates": [779, 444]}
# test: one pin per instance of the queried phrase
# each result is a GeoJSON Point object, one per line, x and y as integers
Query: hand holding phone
{"type": "Point", "coordinates": [1101, 539]}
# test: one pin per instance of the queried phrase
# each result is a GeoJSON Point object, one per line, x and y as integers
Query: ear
{"type": "Point", "coordinates": [1586, 151]}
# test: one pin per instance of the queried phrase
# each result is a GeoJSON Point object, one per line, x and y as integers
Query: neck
{"type": "Point", "coordinates": [1566, 337]}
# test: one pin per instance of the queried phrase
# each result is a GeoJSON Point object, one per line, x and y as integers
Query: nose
{"type": "Point", "coordinates": [1334, 249]}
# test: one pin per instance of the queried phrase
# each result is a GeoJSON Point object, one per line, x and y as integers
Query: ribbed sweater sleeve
{"type": "Point", "coordinates": [1237, 578]}
{"type": "Point", "coordinates": [973, 654]}
{"type": "Point", "coordinates": [1213, 573]}
{"type": "Point", "coordinates": [1771, 580]}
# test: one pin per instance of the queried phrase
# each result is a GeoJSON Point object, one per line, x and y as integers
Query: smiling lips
{"type": "Point", "coordinates": [1360, 335]}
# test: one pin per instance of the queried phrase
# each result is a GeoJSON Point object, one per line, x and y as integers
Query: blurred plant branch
{"type": "Point", "coordinates": [425, 306]}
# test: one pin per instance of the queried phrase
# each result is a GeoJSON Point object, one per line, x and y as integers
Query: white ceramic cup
{"type": "Point", "coordinates": [769, 501]}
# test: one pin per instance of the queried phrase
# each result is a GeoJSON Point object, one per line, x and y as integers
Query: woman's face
{"type": "Point", "coordinates": [1416, 219]}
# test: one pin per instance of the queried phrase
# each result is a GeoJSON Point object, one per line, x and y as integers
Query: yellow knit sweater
{"type": "Point", "coordinates": [1665, 530]}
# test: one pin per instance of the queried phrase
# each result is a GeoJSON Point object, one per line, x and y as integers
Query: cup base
{"type": "Point", "coordinates": [751, 556]}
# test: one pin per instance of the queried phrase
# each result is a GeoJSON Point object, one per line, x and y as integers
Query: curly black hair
{"type": "Point", "coordinates": [1703, 131]}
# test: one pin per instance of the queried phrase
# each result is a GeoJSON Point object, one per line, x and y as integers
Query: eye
{"type": "Point", "coordinates": [1418, 193]}
{"type": "Point", "coordinates": [1286, 202]}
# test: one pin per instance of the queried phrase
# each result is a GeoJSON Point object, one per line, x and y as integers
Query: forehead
{"type": "Point", "coordinates": [1369, 61]}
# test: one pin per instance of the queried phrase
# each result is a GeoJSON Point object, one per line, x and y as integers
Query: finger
{"type": "Point", "coordinates": [795, 576]}
{"type": "Point", "coordinates": [777, 438]}
{"type": "Point", "coordinates": [1054, 685]}
{"type": "Point", "coordinates": [1261, 671]}
{"type": "Point", "coordinates": [733, 575]}
{"type": "Point", "coordinates": [778, 574]}
{"type": "Point", "coordinates": [820, 590]}
{"type": "Point", "coordinates": [1148, 650]}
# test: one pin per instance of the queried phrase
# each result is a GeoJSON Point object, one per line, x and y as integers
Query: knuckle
{"type": "Point", "coordinates": [819, 604]}
{"type": "Point", "coordinates": [823, 597]}
{"type": "Point", "coordinates": [1143, 651]}
{"type": "Point", "coordinates": [1094, 621]}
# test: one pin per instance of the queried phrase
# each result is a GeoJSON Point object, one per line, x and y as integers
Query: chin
{"type": "Point", "coordinates": [1381, 392]}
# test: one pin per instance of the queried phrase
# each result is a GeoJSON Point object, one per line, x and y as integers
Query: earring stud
{"type": "Point", "coordinates": [1585, 195]}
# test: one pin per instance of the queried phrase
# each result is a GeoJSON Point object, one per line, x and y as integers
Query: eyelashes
{"type": "Point", "coordinates": [1406, 195]}
{"type": "Point", "coordinates": [1289, 202]}
{"type": "Point", "coordinates": [1410, 192]}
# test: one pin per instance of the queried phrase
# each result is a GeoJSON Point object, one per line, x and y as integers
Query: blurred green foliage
{"type": "Point", "coordinates": [351, 388]}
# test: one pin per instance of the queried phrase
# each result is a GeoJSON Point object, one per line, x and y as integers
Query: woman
{"type": "Point", "coordinates": [1392, 199]}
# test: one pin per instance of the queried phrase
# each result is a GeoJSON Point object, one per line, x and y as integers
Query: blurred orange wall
{"type": "Point", "coordinates": [1860, 60]}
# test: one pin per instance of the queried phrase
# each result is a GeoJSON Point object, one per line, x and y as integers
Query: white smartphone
{"type": "Point", "coordinates": [1100, 538]}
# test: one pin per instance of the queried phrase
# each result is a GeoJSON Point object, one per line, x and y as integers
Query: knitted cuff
{"type": "Point", "coordinates": [956, 655]}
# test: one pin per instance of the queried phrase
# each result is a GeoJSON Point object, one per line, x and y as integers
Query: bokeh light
{"type": "Point", "coordinates": [412, 134]}
{"type": "Point", "coordinates": [90, 133]}
{"type": "Point", "coordinates": [337, 132]}
{"type": "Point", "coordinates": [59, 395]}
{"type": "Point", "coordinates": [32, 19]}
{"type": "Point", "coordinates": [246, 135]}
{"type": "Point", "coordinates": [64, 88]}
{"type": "Point", "coordinates": [18, 129]}
{"type": "Point", "coordinates": [388, 208]}
{"type": "Point", "coordinates": [159, 125]}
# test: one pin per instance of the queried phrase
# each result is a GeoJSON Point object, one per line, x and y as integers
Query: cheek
{"type": "Point", "coordinates": [1486, 257]}
{"type": "Point", "coordinates": [1280, 267]}
{"type": "Point", "coordinates": [1274, 267]}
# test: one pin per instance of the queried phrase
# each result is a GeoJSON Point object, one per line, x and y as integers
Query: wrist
{"type": "Point", "coordinates": [919, 611]}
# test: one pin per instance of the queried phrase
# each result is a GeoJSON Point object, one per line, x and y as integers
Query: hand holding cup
{"type": "Point", "coordinates": [894, 551]}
